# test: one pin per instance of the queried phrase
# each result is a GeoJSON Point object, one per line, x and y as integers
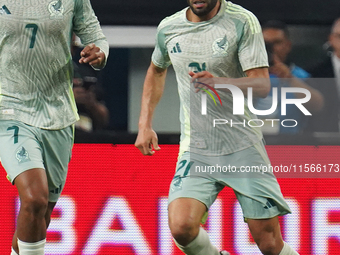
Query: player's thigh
{"type": "Point", "coordinates": [20, 149]}
{"type": "Point", "coordinates": [57, 146]}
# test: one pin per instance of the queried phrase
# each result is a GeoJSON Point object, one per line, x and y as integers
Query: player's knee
{"type": "Point", "coordinates": [184, 230]}
{"type": "Point", "coordinates": [35, 205]}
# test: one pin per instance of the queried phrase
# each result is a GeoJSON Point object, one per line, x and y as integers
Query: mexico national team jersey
{"type": "Point", "coordinates": [35, 59]}
{"type": "Point", "coordinates": [226, 46]}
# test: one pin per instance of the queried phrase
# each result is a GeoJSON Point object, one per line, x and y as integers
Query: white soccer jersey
{"type": "Point", "coordinates": [35, 59]}
{"type": "Point", "coordinates": [226, 46]}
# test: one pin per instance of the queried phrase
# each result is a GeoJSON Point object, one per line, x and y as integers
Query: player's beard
{"type": "Point", "coordinates": [202, 11]}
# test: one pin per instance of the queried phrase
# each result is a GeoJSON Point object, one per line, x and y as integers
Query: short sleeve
{"type": "Point", "coordinates": [251, 48]}
{"type": "Point", "coordinates": [160, 56]}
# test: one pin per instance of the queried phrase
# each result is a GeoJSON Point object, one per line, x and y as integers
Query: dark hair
{"type": "Point", "coordinates": [276, 24]}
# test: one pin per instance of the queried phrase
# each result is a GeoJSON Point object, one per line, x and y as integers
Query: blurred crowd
{"type": "Point", "coordinates": [89, 95]}
{"type": "Point", "coordinates": [322, 81]}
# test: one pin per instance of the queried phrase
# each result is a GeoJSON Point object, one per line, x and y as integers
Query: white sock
{"type": "Point", "coordinates": [287, 250]}
{"type": "Point", "coordinates": [201, 245]}
{"type": "Point", "coordinates": [36, 248]}
{"type": "Point", "coordinates": [14, 252]}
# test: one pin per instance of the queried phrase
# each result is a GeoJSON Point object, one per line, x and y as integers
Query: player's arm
{"type": "Point", "coordinates": [257, 79]}
{"type": "Point", "coordinates": [87, 27]}
{"type": "Point", "coordinates": [147, 140]}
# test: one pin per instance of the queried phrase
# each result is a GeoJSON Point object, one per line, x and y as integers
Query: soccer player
{"type": "Point", "coordinates": [37, 106]}
{"type": "Point", "coordinates": [213, 38]}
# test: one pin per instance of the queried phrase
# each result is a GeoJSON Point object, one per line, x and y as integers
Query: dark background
{"type": "Point", "coordinates": [151, 12]}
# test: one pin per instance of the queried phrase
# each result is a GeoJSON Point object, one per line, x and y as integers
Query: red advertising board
{"type": "Point", "coordinates": [114, 202]}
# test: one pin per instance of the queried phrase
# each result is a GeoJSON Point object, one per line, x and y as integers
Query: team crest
{"type": "Point", "coordinates": [220, 47]}
{"type": "Point", "coordinates": [56, 9]}
{"type": "Point", "coordinates": [22, 155]}
{"type": "Point", "coordinates": [177, 184]}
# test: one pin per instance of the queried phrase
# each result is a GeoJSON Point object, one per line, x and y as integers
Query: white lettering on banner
{"type": "Point", "coordinates": [291, 224]}
{"type": "Point", "coordinates": [242, 242]}
{"type": "Point", "coordinates": [166, 245]}
{"type": "Point", "coordinates": [64, 225]}
{"type": "Point", "coordinates": [322, 229]}
{"type": "Point", "coordinates": [131, 235]}
{"type": "Point", "coordinates": [215, 223]}
{"type": "Point", "coordinates": [243, 245]}
{"type": "Point", "coordinates": [214, 226]}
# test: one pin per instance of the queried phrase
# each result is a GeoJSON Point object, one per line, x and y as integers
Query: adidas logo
{"type": "Point", "coordinates": [176, 49]}
{"type": "Point", "coordinates": [270, 203]}
{"type": "Point", "coordinates": [57, 190]}
{"type": "Point", "coordinates": [4, 10]}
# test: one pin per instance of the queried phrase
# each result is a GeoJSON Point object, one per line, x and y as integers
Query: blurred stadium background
{"type": "Point", "coordinates": [114, 201]}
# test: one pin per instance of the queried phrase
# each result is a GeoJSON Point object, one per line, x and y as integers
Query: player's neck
{"type": "Point", "coordinates": [194, 18]}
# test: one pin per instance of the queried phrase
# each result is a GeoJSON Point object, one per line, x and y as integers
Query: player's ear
{"type": "Point", "coordinates": [331, 39]}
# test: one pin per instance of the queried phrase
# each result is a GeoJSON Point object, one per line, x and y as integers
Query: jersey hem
{"type": "Point", "coordinates": [223, 152]}
{"type": "Point", "coordinates": [53, 127]}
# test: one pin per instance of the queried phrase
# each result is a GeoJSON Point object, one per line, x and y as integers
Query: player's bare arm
{"type": "Point", "coordinates": [260, 81]}
{"type": "Point", "coordinates": [92, 55]}
{"type": "Point", "coordinates": [147, 141]}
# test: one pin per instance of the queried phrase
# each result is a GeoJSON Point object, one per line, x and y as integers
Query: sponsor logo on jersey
{"type": "Point", "coordinates": [4, 10]}
{"type": "Point", "coordinates": [176, 49]}
{"type": "Point", "coordinates": [56, 9]}
{"type": "Point", "coordinates": [220, 47]}
{"type": "Point", "coordinates": [22, 155]}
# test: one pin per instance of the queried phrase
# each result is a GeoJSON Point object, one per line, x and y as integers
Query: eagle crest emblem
{"type": "Point", "coordinates": [220, 46]}
{"type": "Point", "coordinates": [56, 9]}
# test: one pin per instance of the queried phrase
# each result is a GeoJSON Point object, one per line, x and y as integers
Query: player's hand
{"type": "Point", "coordinates": [147, 141]}
{"type": "Point", "coordinates": [92, 55]}
{"type": "Point", "coordinates": [201, 80]}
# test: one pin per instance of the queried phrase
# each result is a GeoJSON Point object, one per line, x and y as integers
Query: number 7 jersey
{"type": "Point", "coordinates": [36, 68]}
{"type": "Point", "coordinates": [226, 46]}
